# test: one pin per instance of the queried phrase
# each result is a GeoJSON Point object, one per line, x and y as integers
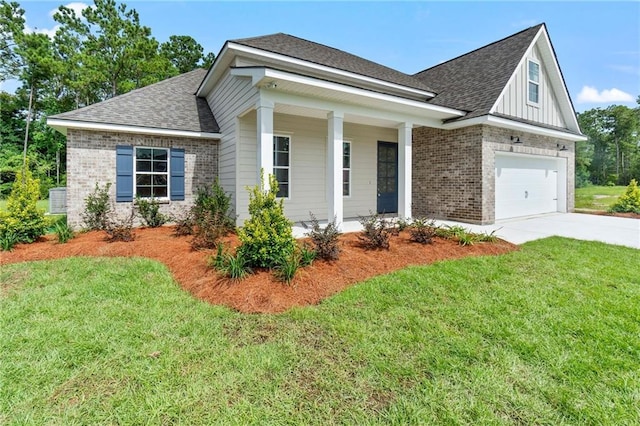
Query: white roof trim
{"type": "Point", "coordinates": [505, 123]}
{"type": "Point", "coordinates": [565, 102]}
{"type": "Point", "coordinates": [63, 125]}
{"type": "Point", "coordinates": [258, 74]}
{"type": "Point", "coordinates": [314, 67]}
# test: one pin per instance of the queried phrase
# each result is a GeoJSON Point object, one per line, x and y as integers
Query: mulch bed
{"type": "Point", "coordinates": [260, 292]}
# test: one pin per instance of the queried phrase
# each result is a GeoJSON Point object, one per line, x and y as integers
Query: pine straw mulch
{"type": "Point", "coordinates": [260, 292]}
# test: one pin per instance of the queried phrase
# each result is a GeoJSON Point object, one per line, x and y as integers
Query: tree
{"type": "Point", "coordinates": [184, 53]}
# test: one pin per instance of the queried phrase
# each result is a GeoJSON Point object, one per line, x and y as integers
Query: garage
{"type": "Point", "coordinates": [528, 185]}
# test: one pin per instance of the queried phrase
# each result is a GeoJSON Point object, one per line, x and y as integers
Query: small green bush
{"type": "Point", "coordinates": [23, 218]}
{"type": "Point", "coordinates": [120, 229]}
{"type": "Point", "coordinates": [629, 202]}
{"type": "Point", "coordinates": [8, 240]}
{"type": "Point", "coordinates": [209, 229]}
{"type": "Point", "coordinates": [185, 223]}
{"type": "Point", "coordinates": [376, 233]}
{"type": "Point", "coordinates": [422, 230]}
{"type": "Point", "coordinates": [149, 212]}
{"type": "Point", "coordinates": [325, 239]}
{"type": "Point", "coordinates": [287, 266]}
{"type": "Point", "coordinates": [233, 267]}
{"type": "Point", "coordinates": [212, 202]}
{"type": "Point", "coordinates": [97, 210]}
{"type": "Point", "coordinates": [267, 235]}
{"type": "Point", "coordinates": [63, 232]}
{"type": "Point", "coordinates": [307, 255]}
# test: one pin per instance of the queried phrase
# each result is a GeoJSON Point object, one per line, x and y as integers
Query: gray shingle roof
{"type": "Point", "coordinates": [294, 47]}
{"type": "Point", "coordinates": [473, 82]}
{"type": "Point", "coordinates": [170, 104]}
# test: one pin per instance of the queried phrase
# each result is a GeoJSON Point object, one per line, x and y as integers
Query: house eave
{"type": "Point", "coordinates": [272, 79]}
{"type": "Point", "coordinates": [62, 125]}
{"type": "Point", "coordinates": [232, 49]}
{"type": "Point", "coordinates": [505, 123]}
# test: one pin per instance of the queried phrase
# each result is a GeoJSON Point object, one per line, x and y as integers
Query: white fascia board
{"type": "Point", "coordinates": [63, 125]}
{"type": "Point", "coordinates": [328, 70]}
{"type": "Point", "coordinates": [259, 74]}
{"type": "Point", "coordinates": [209, 79]}
{"type": "Point", "coordinates": [505, 123]}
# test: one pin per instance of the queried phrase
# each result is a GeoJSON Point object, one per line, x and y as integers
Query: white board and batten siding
{"type": "Point", "coordinates": [308, 190]}
{"type": "Point", "coordinates": [528, 185]}
{"type": "Point", "coordinates": [514, 100]}
{"type": "Point", "coordinates": [230, 97]}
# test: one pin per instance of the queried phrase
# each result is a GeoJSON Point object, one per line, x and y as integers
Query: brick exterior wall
{"type": "Point", "coordinates": [447, 173]}
{"type": "Point", "coordinates": [454, 170]}
{"type": "Point", "coordinates": [91, 158]}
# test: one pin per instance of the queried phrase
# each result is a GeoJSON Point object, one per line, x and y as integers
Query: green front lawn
{"type": "Point", "coordinates": [546, 335]}
{"type": "Point", "coordinates": [598, 197]}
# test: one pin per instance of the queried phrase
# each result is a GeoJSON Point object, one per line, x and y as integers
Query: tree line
{"type": "Point", "coordinates": [103, 52]}
{"type": "Point", "coordinates": [611, 155]}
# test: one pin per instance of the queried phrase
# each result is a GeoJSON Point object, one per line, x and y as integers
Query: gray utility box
{"type": "Point", "coordinates": [58, 200]}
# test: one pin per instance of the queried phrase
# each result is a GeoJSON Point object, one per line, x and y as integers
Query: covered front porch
{"type": "Point", "coordinates": [335, 154]}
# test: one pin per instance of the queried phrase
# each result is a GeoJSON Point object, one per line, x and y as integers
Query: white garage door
{"type": "Point", "coordinates": [525, 185]}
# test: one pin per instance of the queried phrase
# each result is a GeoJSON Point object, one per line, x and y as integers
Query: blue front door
{"type": "Point", "coordinates": [387, 177]}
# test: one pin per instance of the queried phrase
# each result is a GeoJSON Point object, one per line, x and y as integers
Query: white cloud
{"type": "Point", "coordinates": [590, 94]}
{"type": "Point", "coordinates": [49, 32]}
{"type": "Point", "coordinates": [76, 6]}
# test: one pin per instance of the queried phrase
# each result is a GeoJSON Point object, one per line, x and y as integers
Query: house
{"type": "Point", "coordinates": [483, 137]}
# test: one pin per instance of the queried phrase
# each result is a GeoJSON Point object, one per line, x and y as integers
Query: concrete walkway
{"type": "Point", "coordinates": [607, 229]}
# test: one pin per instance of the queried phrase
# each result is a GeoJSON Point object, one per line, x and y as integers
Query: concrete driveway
{"type": "Point", "coordinates": [607, 229]}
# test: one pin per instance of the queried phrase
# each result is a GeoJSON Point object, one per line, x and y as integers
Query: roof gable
{"type": "Point", "coordinates": [169, 104]}
{"type": "Point", "coordinates": [556, 107]}
{"type": "Point", "coordinates": [474, 81]}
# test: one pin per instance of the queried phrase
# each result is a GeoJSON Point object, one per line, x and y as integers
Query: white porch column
{"type": "Point", "coordinates": [334, 167]}
{"type": "Point", "coordinates": [404, 170]}
{"type": "Point", "coordinates": [264, 124]}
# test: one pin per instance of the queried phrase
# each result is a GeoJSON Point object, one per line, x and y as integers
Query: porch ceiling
{"type": "Point", "coordinates": [322, 115]}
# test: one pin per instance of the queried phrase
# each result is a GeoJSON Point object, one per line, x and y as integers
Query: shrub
{"type": "Point", "coordinates": [63, 232]}
{"type": "Point", "coordinates": [629, 202]}
{"type": "Point", "coordinates": [213, 202]}
{"type": "Point", "coordinates": [233, 267]}
{"type": "Point", "coordinates": [185, 223]}
{"type": "Point", "coordinates": [266, 236]}
{"type": "Point", "coordinates": [208, 230]}
{"type": "Point", "coordinates": [422, 231]}
{"type": "Point", "coordinates": [120, 229]}
{"type": "Point", "coordinates": [8, 240]}
{"type": "Point", "coordinates": [376, 232]}
{"type": "Point", "coordinates": [307, 255]}
{"type": "Point", "coordinates": [287, 266]}
{"type": "Point", "coordinates": [402, 224]}
{"type": "Point", "coordinates": [149, 211]}
{"type": "Point", "coordinates": [325, 239]}
{"type": "Point", "coordinates": [487, 237]}
{"type": "Point", "coordinates": [97, 210]}
{"type": "Point", "coordinates": [23, 218]}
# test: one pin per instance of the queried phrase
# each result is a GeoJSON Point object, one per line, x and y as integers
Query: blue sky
{"type": "Point", "coordinates": [597, 43]}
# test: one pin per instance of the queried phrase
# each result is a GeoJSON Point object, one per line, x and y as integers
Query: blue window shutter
{"type": "Point", "coordinates": [124, 173]}
{"type": "Point", "coordinates": [177, 174]}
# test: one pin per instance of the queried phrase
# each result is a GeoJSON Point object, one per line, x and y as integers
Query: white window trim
{"type": "Point", "coordinates": [284, 135]}
{"type": "Point", "coordinates": [135, 172]}
{"type": "Point", "coordinates": [538, 83]}
{"type": "Point", "coordinates": [350, 167]}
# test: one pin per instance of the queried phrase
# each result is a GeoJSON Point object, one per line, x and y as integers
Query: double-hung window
{"type": "Point", "coordinates": [281, 164]}
{"type": "Point", "coordinates": [346, 169]}
{"type": "Point", "coordinates": [533, 88]}
{"type": "Point", "coordinates": [152, 172]}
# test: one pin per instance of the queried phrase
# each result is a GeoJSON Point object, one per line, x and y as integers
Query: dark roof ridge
{"type": "Point", "coordinates": [538, 26]}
